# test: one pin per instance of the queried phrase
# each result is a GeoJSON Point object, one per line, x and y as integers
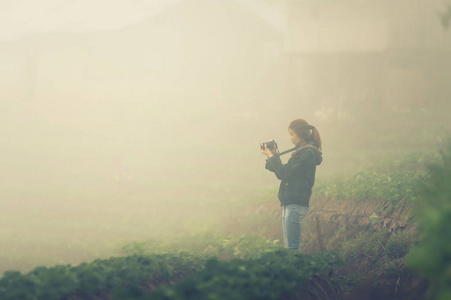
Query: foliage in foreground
{"type": "Point", "coordinates": [432, 257]}
{"type": "Point", "coordinates": [267, 277]}
{"type": "Point", "coordinates": [384, 251]}
{"type": "Point", "coordinates": [256, 268]}
{"type": "Point", "coordinates": [90, 279]}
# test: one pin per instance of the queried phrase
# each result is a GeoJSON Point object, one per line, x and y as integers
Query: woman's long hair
{"type": "Point", "coordinates": [306, 131]}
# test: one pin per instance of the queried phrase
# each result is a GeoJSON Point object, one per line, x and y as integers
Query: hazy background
{"type": "Point", "coordinates": [129, 120]}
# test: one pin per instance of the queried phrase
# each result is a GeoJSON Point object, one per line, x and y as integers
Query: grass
{"type": "Point", "coordinates": [378, 253]}
{"type": "Point", "coordinates": [393, 179]}
{"type": "Point", "coordinates": [212, 244]}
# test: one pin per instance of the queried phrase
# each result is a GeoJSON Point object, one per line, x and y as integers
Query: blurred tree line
{"type": "Point", "coordinates": [446, 16]}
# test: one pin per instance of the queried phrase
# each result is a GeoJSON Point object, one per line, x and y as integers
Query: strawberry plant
{"type": "Point", "coordinates": [97, 276]}
{"type": "Point", "coordinates": [264, 278]}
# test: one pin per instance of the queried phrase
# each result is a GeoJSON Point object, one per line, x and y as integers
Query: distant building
{"type": "Point", "coordinates": [377, 54]}
{"type": "Point", "coordinates": [196, 50]}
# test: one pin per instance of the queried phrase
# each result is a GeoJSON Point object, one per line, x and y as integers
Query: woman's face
{"type": "Point", "coordinates": [295, 139]}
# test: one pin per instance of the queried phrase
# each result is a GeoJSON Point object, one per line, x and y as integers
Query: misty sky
{"type": "Point", "coordinates": [21, 17]}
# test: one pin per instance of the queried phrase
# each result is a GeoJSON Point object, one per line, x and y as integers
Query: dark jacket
{"type": "Point", "coordinates": [298, 175]}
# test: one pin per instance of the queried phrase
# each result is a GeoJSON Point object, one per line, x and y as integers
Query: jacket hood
{"type": "Point", "coordinates": [316, 151]}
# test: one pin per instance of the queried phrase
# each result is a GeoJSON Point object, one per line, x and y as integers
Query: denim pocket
{"type": "Point", "coordinates": [295, 217]}
{"type": "Point", "coordinates": [297, 213]}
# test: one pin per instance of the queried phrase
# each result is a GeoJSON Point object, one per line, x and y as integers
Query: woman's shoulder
{"type": "Point", "coordinates": [304, 150]}
{"type": "Point", "coordinates": [308, 152]}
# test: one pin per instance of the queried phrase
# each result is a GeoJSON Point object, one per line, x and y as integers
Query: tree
{"type": "Point", "coordinates": [446, 16]}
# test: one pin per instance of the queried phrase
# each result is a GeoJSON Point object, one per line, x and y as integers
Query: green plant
{"type": "Point", "coordinates": [91, 278]}
{"type": "Point", "coordinates": [337, 236]}
{"type": "Point", "coordinates": [213, 244]}
{"type": "Point", "coordinates": [391, 267]}
{"type": "Point", "coordinates": [367, 245]}
{"type": "Point", "coordinates": [393, 179]}
{"type": "Point", "coordinates": [264, 271]}
{"type": "Point", "coordinates": [432, 256]}
{"type": "Point", "coordinates": [351, 280]}
{"type": "Point", "coordinates": [264, 278]}
{"type": "Point", "coordinates": [399, 244]}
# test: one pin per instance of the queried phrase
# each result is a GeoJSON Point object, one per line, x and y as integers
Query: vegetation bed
{"type": "Point", "coordinates": [391, 180]}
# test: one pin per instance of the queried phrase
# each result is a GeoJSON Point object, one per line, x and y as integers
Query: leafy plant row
{"type": "Point", "coordinates": [267, 277]}
{"type": "Point", "coordinates": [146, 260]}
{"type": "Point", "coordinates": [90, 279]}
{"type": "Point", "coordinates": [213, 244]}
{"type": "Point", "coordinates": [392, 180]}
{"type": "Point", "coordinates": [261, 269]}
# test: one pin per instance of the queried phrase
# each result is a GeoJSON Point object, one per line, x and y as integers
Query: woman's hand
{"type": "Point", "coordinates": [268, 152]}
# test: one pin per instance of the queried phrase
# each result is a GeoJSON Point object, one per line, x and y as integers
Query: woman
{"type": "Point", "coordinates": [298, 177]}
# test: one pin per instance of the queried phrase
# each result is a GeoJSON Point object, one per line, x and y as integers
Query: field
{"type": "Point", "coordinates": [227, 210]}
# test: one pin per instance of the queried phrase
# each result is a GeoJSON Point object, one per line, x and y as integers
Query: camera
{"type": "Point", "coordinates": [270, 145]}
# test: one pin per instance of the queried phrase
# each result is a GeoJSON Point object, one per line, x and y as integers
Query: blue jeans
{"type": "Point", "coordinates": [292, 217]}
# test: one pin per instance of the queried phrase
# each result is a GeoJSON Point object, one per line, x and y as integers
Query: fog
{"type": "Point", "coordinates": [150, 127]}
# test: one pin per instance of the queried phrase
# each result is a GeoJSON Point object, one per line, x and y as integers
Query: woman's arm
{"type": "Point", "coordinates": [296, 164]}
{"type": "Point", "coordinates": [274, 164]}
